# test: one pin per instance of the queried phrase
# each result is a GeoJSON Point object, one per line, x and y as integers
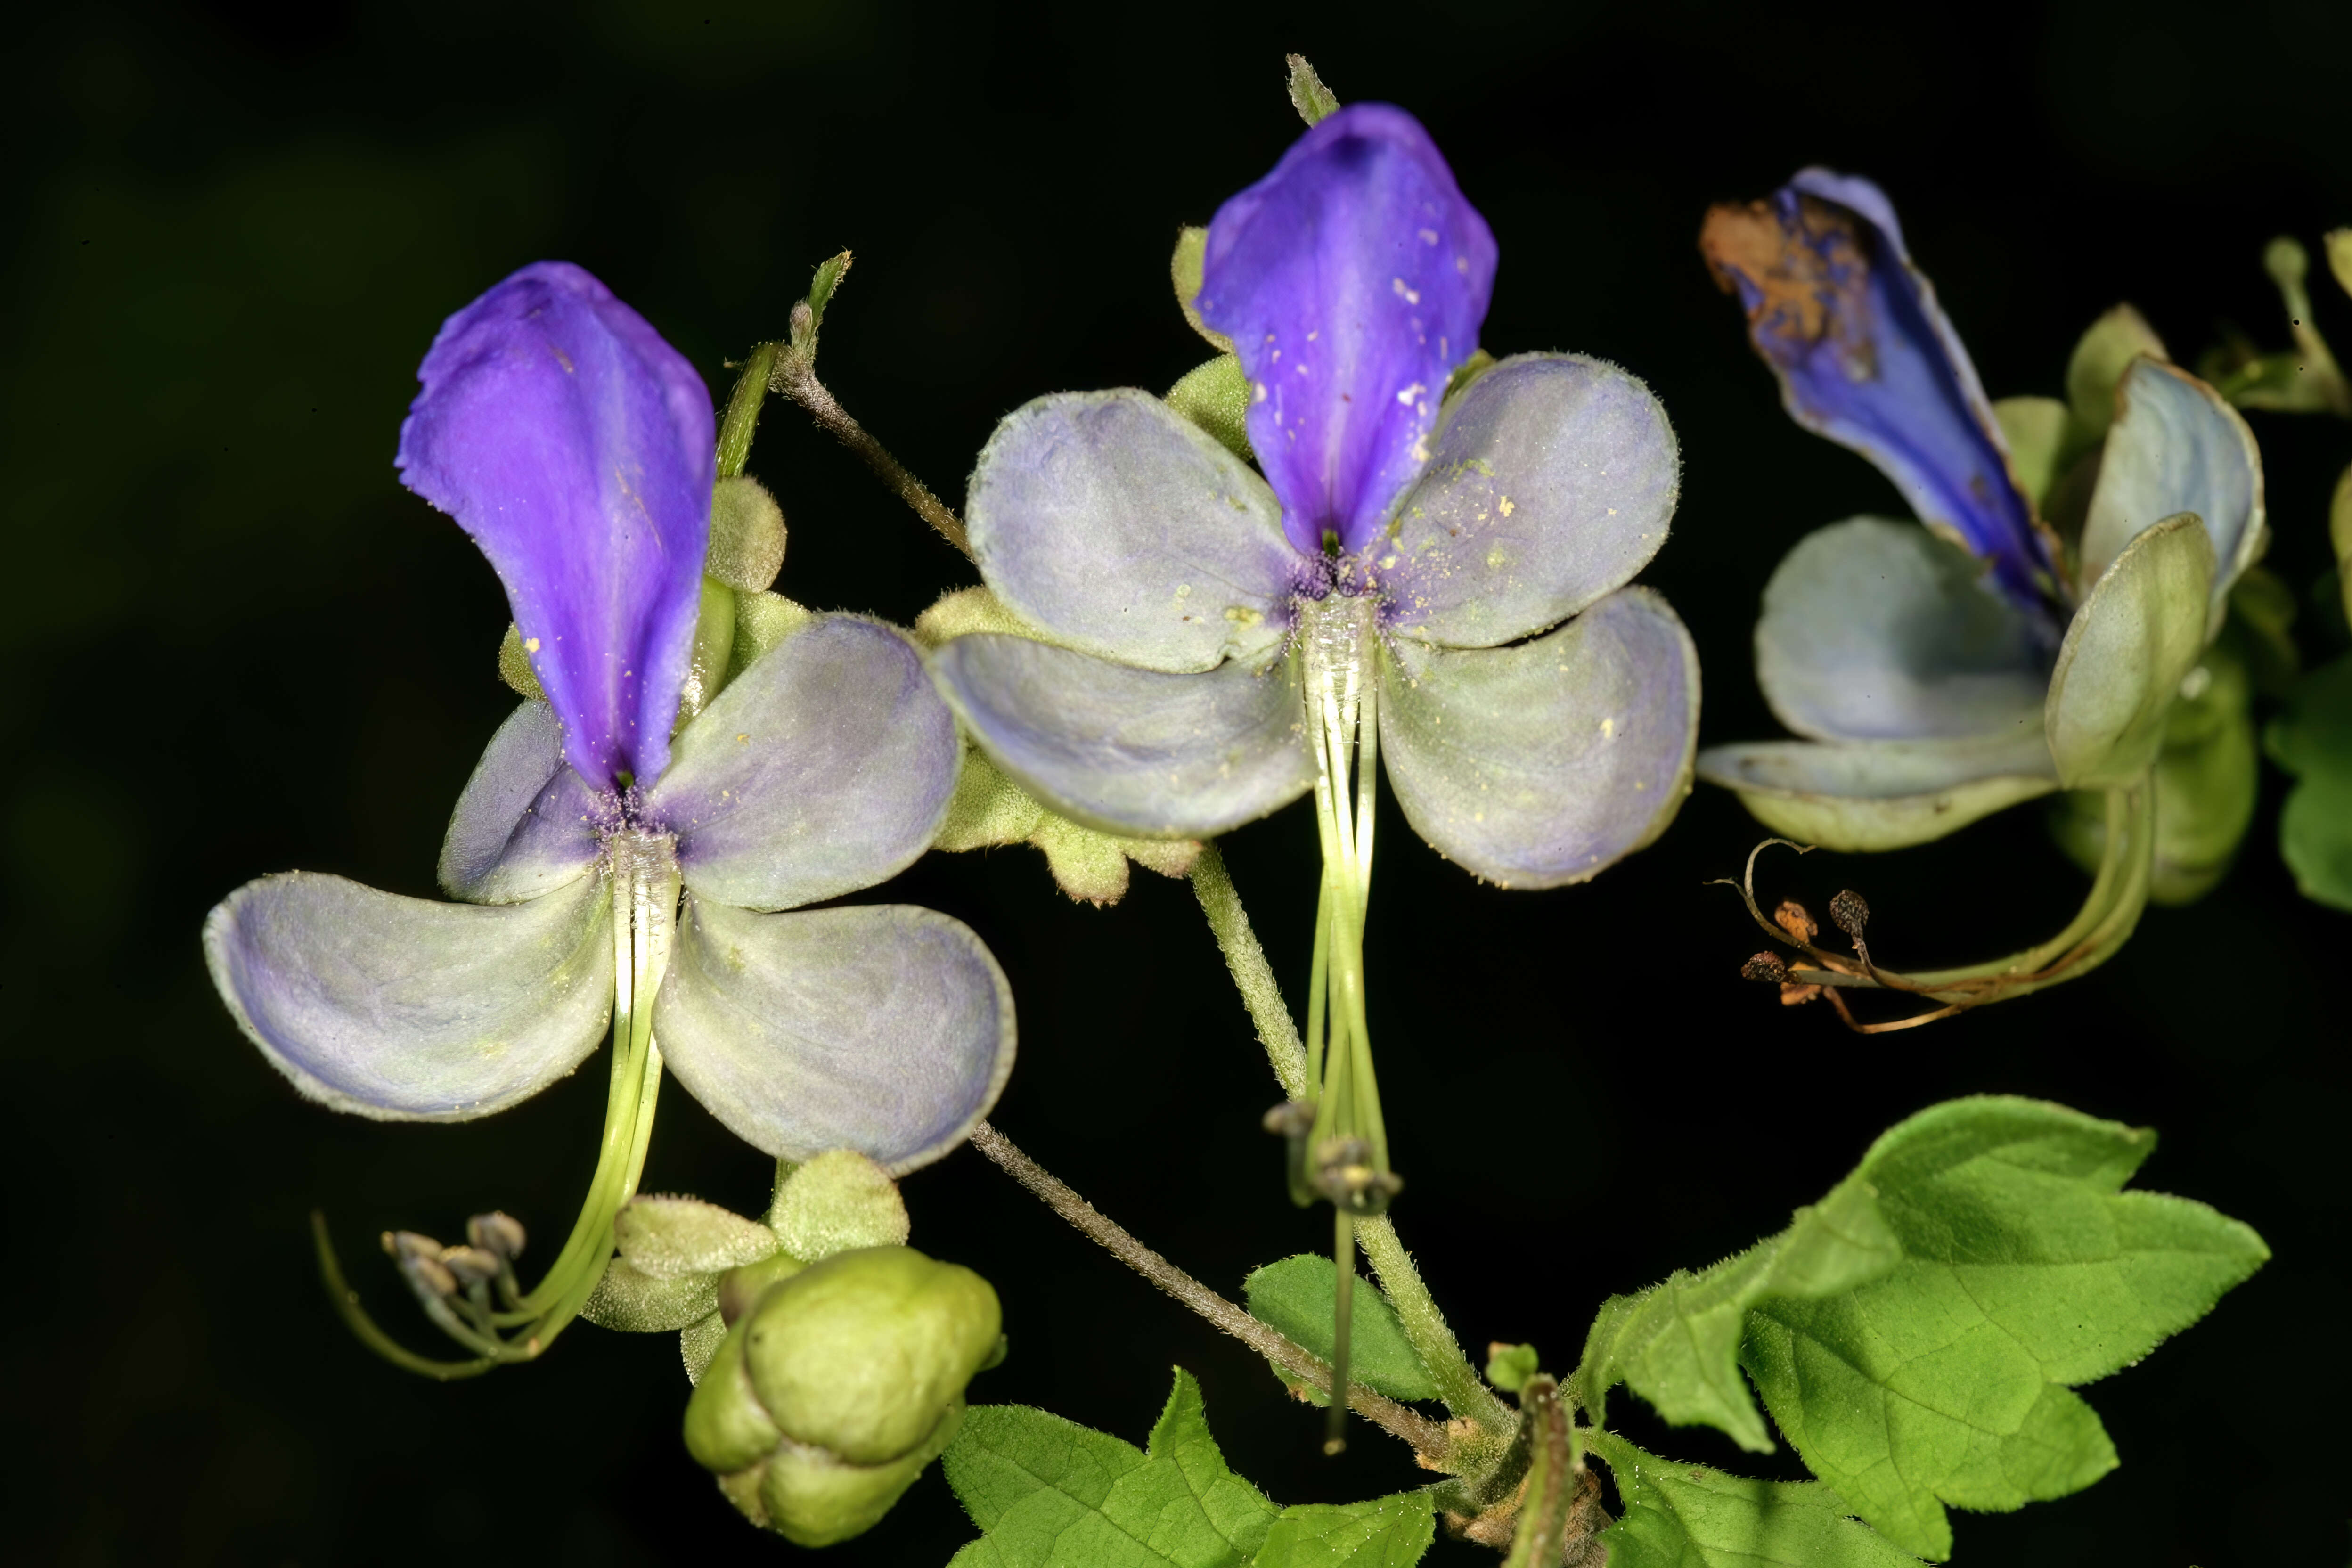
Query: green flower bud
{"type": "Point", "coordinates": [831, 1394]}
{"type": "Point", "coordinates": [747, 535]}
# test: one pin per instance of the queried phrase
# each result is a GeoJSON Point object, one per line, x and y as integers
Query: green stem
{"type": "Point", "coordinates": [1458, 1385]}
{"type": "Point", "coordinates": [743, 419]}
{"type": "Point", "coordinates": [1543, 1508]}
{"type": "Point", "coordinates": [1343, 1302]}
{"type": "Point", "coordinates": [1213, 884]}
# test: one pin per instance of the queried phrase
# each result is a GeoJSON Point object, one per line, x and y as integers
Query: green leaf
{"type": "Point", "coordinates": [1296, 1296]}
{"type": "Point", "coordinates": [1049, 1493]}
{"type": "Point", "coordinates": [1508, 1367]}
{"type": "Point", "coordinates": [1686, 1516]}
{"type": "Point", "coordinates": [1677, 1344]}
{"type": "Point", "coordinates": [2339, 510]}
{"type": "Point", "coordinates": [2026, 1270]}
{"type": "Point", "coordinates": [1383, 1533]}
{"type": "Point", "coordinates": [2313, 739]}
{"type": "Point", "coordinates": [2136, 637]}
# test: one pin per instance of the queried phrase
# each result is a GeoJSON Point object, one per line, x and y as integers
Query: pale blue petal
{"type": "Point", "coordinates": [525, 824]}
{"type": "Point", "coordinates": [882, 1028]}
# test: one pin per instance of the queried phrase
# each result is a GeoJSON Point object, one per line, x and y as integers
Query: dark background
{"type": "Point", "coordinates": [236, 646]}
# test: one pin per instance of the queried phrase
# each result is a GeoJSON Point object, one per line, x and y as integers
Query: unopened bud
{"type": "Point", "coordinates": [1851, 913]}
{"type": "Point", "coordinates": [747, 535]}
{"type": "Point", "coordinates": [803, 320]}
{"type": "Point", "coordinates": [831, 1395]}
{"type": "Point", "coordinates": [1792, 916]}
{"type": "Point", "coordinates": [1764, 967]}
{"type": "Point", "coordinates": [498, 1234]}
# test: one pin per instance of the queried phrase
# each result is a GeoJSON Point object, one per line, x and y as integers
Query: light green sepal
{"type": "Point", "coordinates": [514, 665]}
{"type": "Point", "coordinates": [2205, 782]}
{"type": "Point", "coordinates": [1216, 397]}
{"type": "Point", "coordinates": [1868, 796]}
{"type": "Point", "coordinates": [699, 1341]}
{"type": "Point", "coordinates": [762, 621]}
{"type": "Point", "coordinates": [2036, 430]}
{"type": "Point", "coordinates": [838, 1202]}
{"type": "Point", "coordinates": [2100, 358]}
{"type": "Point", "coordinates": [632, 1301]}
{"type": "Point", "coordinates": [2136, 637]}
{"type": "Point", "coordinates": [747, 535]}
{"type": "Point", "coordinates": [1184, 272]}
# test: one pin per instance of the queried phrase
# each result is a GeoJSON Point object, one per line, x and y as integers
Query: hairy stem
{"type": "Point", "coordinates": [1543, 1515]}
{"type": "Point", "coordinates": [1253, 976]}
{"type": "Point", "coordinates": [1458, 1385]}
{"type": "Point", "coordinates": [1428, 1439]}
{"type": "Point", "coordinates": [795, 377]}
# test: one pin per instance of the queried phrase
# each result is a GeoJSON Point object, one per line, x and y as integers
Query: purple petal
{"type": "Point", "coordinates": [1352, 279]}
{"type": "Point", "coordinates": [577, 448]}
{"type": "Point", "coordinates": [525, 824]}
{"type": "Point", "coordinates": [1865, 357]}
{"type": "Point", "coordinates": [408, 1010]}
{"type": "Point", "coordinates": [824, 768]}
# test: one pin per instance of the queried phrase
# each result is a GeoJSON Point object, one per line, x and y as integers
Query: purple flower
{"type": "Point", "coordinates": [609, 868]}
{"type": "Point", "coordinates": [1943, 673]}
{"type": "Point", "coordinates": [1415, 551]}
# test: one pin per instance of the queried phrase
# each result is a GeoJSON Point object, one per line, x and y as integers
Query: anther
{"type": "Point", "coordinates": [1851, 913]}
{"type": "Point", "coordinates": [419, 1257]}
{"type": "Point", "coordinates": [1764, 967]}
{"type": "Point", "coordinates": [1792, 916]}
{"type": "Point", "coordinates": [472, 1265]}
{"type": "Point", "coordinates": [498, 1234]}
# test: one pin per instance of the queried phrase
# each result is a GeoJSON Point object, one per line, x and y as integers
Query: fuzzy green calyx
{"type": "Point", "coordinates": [831, 1394]}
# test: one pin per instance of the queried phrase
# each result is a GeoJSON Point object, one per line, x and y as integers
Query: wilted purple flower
{"type": "Point", "coordinates": [1944, 673]}
{"type": "Point", "coordinates": [576, 447]}
{"type": "Point", "coordinates": [1404, 549]}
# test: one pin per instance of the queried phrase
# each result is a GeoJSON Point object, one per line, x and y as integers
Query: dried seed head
{"type": "Point", "coordinates": [1765, 967]}
{"type": "Point", "coordinates": [499, 1235]}
{"type": "Point", "coordinates": [1792, 916]}
{"type": "Point", "coordinates": [1851, 913]}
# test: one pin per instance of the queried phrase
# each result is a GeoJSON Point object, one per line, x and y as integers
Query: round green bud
{"type": "Point", "coordinates": [747, 535]}
{"type": "Point", "coordinates": [838, 1385]}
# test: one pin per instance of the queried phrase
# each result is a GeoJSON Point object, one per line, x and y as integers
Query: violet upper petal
{"type": "Point", "coordinates": [824, 768]}
{"type": "Point", "coordinates": [1865, 357]}
{"type": "Point", "coordinates": [1553, 481]}
{"type": "Point", "coordinates": [1132, 751]}
{"type": "Point", "coordinates": [1117, 526]}
{"type": "Point", "coordinates": [882, 1028]}
{"type": "Point", "coordinates": [525, 823]}
{"type": "Point", "coordinates": [1547, 761]}
{"type": "Point", "coordinates": [1352, 279]}
{"type": "Point", "coordinates": [409, 1010]}
{"type": "Point", "coordinates": [578, 449]}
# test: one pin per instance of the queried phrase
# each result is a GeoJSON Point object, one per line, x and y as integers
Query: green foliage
{"type": "Point", "coordinates": [1508, 1367]}
{"type": "Point", "coordinates": [1049, 1493]}
{"type": "Point", "coordinates": [1296, 1296]}
{"type": "Point", "coordinates": [1383, 1533]}
{"type": "Point", "coordinates": [2312, 740]}
{"type": "Point", "coordinates": [2025, 1270]}
{"type": "Point", "coordinates": [1686, 1516]}
{"type": "Point", "coordinates": [1677, 1344]}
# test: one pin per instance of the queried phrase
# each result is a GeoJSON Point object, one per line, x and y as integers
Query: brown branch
{"type": "Point", "coordinates": [1427, 1438]}
{"type": "Point", "coordinates": [795, 377]}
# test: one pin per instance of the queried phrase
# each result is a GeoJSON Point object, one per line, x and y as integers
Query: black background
{"type": "Point", "coordinates": [236, 646]}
